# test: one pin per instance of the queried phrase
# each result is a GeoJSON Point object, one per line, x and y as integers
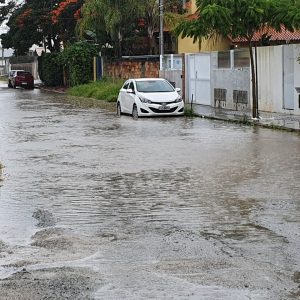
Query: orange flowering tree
{"type": "Point", "coordinates": [65, 15]}
{"type": "Point", "coordinates": [49, 23]}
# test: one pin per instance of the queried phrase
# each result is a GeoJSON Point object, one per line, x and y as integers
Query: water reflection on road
{"type": "Point", "coordinates": [178, 208]}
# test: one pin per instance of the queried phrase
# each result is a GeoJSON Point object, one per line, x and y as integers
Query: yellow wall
{"type": "Point", "coordinates": [193, 6]}
{"type": "Point", "coordinates": [187, 45]}
{"type": "Point", "coordinates": [215, 44]}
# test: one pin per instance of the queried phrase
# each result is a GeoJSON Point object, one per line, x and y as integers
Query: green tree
{"type": "Point", "coordinates": [110, 21]}
{"type": "Point", "coordinates": [20, 35]}
{"type": "Point", "coordinates": [237, 18]}
{"type": "Point", "coordinates": [6, 8]}
{"type": "Point", "coordinates": [43, 22]}
{"type": "Point", "coordinates": [287, 14]}
{"type": "Point", "coordinates": [150, 12]}
{"type": "Point", "coordinates": [116, 22]}
{"type": "Point", "coordinates": [91, 26]}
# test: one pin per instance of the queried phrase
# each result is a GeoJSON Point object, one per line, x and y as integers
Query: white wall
{"type": "Point", "coordinates": [271, 62]}
{"type": "Point", "coordinates": [173, 76]}
{"type": "Point", "coordinates": [230, 79]}
{"type": "Point", "coordinates": [297, 78]}
{"type": "Point", "coordinates": [271, 79]}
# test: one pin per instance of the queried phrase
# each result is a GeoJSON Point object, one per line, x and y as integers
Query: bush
{"type": "Point", "coordinates": [77, 60]}
{"type": "Point", "coordinates": [50, 71]}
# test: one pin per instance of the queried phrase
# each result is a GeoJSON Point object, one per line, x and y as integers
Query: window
{"type": "Point", "coordinates": [131, 86]}
{"type": "Point", "coordinates": [154, 86]}
{"type": "Point", "coordinates": [125, 86]}
{"type": "Point", "coordinates": [241, 58]}
{"type": "Point", "coordinates": [220, 94]}
{"type": "Point", "coordinates": [240, 97]}
{"type": "Point", "coordinates": [224, 60]}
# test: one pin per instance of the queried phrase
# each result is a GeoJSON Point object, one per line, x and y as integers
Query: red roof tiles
{"type": "Point", "coordinates": [283, 35]}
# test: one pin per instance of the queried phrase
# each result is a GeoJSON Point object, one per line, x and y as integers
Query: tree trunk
{"type": "Point", "coordinates": [151, 41]}
{"type": "Point", "coordinates": [119, 44]}
{"type": "Point", "coordinates": [254, 82]}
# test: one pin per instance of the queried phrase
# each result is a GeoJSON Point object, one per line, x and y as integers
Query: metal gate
{"type": "Point", "coordinates": [288, 77]}
{"type": "Point", "coordinates": [198, 78]}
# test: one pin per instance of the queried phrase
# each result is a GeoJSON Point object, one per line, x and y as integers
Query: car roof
{"type": "Point", "coordinates": [147, 79]}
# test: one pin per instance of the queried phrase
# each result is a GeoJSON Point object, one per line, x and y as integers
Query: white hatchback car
{"type": "Point", "coordinates": [149, 97]}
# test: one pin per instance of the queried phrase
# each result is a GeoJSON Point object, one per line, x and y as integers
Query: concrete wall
{"type": "Point", "coordinates": [29, 67]}
{"type": "Point", "coordinates": [271, 79]}
{"type": "Point", "coordinates": [174, 76]}
{"type": "Point", "coordinates": [4, 66]}
{"type": "Point", "coordinates": [172, 69]}
{"type": "Point", "coordinates": [297, 79]}
{"type": "Point", "coordinates": [231, 83]}
{"type": "Point", "coordinates": [230, 79]}
{"type": "Point", "coordinates": [278, 77]}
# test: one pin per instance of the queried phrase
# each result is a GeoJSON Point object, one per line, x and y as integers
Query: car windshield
{"type": "Point", "coordinates": [22, 73]}
{"type": "Point", "coordinates": [154, 86]}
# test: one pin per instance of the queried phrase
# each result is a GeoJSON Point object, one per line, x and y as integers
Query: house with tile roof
{"type": "Point", "coordinates": [270, 37]}
{"type": "Point", "coordinates": [266, 37]}
{"type": "Point", "coordinates": [188, 45]}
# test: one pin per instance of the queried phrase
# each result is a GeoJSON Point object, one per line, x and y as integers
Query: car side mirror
{"type": "Point", "coordinates": [178, 90]}
{"type": "Point", "coordinates": [130, 91]}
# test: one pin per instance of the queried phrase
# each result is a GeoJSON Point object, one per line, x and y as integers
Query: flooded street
{"type": "Point", "coordinates": [98, 207]}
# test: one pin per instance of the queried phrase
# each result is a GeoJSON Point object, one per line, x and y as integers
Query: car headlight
{"type": "Point", "coordinates": [179, 99]}
{"type": "Point", "coordinates": [145, 100]}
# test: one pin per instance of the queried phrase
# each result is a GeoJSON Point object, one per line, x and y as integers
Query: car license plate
{"type": "Point", "coordinates": [164, 107]}
{"type": "Point", "coordinates": [24, 83]}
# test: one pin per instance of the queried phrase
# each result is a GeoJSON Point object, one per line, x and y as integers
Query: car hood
{"type": "Point", "coordinates": [160, 97]}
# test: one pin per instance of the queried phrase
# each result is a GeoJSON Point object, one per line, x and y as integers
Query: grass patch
{"type": "Point", "coordinates": [189, 112]}
{"type": "Point", "coordinates": [105, 90]}
{"type": "Point", "coordinates": [3, 78]}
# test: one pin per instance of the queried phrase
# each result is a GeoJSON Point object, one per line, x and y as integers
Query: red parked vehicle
{"type": "Point", "coordinates": [20, 78]}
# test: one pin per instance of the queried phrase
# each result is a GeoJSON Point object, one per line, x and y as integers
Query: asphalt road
{"type": "Point", "coordinates": [93, 206]}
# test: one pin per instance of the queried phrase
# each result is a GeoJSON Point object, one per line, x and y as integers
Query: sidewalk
{"type": "Point", "coordinates": [269, 120]}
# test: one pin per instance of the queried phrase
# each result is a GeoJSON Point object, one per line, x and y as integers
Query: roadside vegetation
{"type": "Point", "coordinates": [1, 168]}
{"type": "Point", "coordinates": [3, 78]}
{"type": "Point", "coordinates": [106, 89]}
{"type": "Point", "coordinates": [189, 111]}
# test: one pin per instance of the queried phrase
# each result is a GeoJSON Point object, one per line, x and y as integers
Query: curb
{"type": "Point", "coordinates": [51, 90]}
{"type": "Point", "coordinates": [250, 123]}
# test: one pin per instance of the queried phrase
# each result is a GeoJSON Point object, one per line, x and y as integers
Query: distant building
{"type": "Point", "coordinates": [5, 54]}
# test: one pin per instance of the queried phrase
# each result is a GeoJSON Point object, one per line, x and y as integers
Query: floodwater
{"type": "Point", "coordinates": [162, 208]}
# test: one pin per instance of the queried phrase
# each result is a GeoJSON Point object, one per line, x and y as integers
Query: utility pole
{"type": "Point", "coordinates": [161, 33]}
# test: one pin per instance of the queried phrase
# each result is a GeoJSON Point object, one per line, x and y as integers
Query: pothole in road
{"type": "Point", "coordinates": [53, 283]}
{"type": "Point", "coordinates": [44, 218]}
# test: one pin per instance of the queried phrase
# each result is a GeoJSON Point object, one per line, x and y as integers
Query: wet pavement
{"type": "Point", "coordinates": [285, 121]}
{"type": "Point", "coordinates": [98, 207]}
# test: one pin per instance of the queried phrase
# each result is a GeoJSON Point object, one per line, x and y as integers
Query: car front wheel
{"type": "Point", "coordinates": [119, 111]}
{"type": "Point", "coordinates": [135, 113]}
